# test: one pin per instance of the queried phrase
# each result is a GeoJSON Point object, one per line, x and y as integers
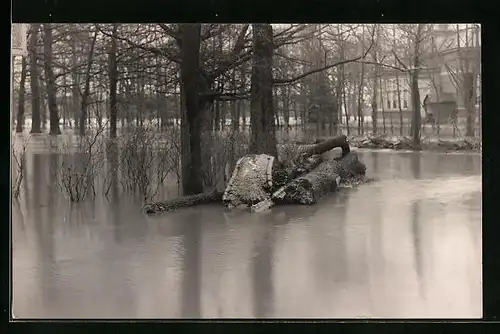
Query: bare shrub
{"type": "Point", "coordinates": [220, 153]}
{"type": "Point", "coordinates": [288, 149]}
{"type": "Point", "coordinates": [174, 158]}
{"type": "Point", "coordinates": [18, 166]}
{"type": "Point", "coordinates": [146, 160]}
{"type": "Point", "coordinates": [76, 174]}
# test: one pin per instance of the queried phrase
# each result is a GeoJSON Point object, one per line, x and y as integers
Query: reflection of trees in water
{"type": "Point", "coordinates": [113, 195]}
{"type": "Point", "coordinates": [329, 252]}
{"type": "Point", "coordinates": [458, 164]}
{"type": "Point", "coordinates": [417, 243]}
{"type": "Point", "coordinates": [415, 224]}
{"type": "Point", "coordinates": [415, 165]}
{"type": "Point", "coordinates": [191, 267]}
{"type": "Point", "coordinates": [44, 229]}
{"type": "Point", "coordinates": [376, 237]}
{"type": "Point", "coordinates": [262, 264]}
{"type": "Point", "coordinates": [112, 169]}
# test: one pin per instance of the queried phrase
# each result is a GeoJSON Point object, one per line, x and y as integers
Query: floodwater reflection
{"type": "Point", "coordinates": [408, 245]}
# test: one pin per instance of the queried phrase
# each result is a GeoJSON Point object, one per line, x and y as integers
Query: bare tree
{"type": "Point", "coordinates": [86, 92]}
{"type": "Point", "coordinates": [414, 74]}
{"type": "Point", "coordinates": [263, 133]}
{"type": "Point", "coordinates": [50, 80]}
{"type": "Point", "coordinates": [35, 93]}
{"type": "Point", "coordinates": [113, 79]}
{"type": "Point", "coordinates": [22, 96]}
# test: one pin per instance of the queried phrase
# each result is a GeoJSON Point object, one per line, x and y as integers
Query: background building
{"type": "Point", "coordinates": [450, 53]}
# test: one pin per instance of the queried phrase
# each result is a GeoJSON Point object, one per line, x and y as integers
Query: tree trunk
{"type": "Point", "coordinates": [75, 83]}
{"type": "Point", "coordinates": [344, 101]}
{"type": "Point", "coordinates": [263, 132]}
{"type": "Point", "coordinates": [86, 92]}
{"type": "Point", "coordinates": [192, 86]}
{"type": "Point", "coordinates": [216, 115]}
{"type": "Point", "coordinates": [469, 102]}
{"type": "Point", "coordinates": [113, 79]}
{"type": "Point", "coordinates": [35, 92]}
{"type": "Point", "coordinates": [235, 107]}
{"type": "Point", "coordinates": [182, 202]}
{"type": "Point", "coordinates": [285, 99]}
{"type": "Point", "coordinates": [323, 179]}
{"type": "Point", "coordinates": [381, 91]}
{"type": "Point", "coordinates": [22, 95]}
{"type": "Point", "coordinates": [416, 119]}
{"type": "Point", "coordinates": [50, 80]}
{"type": "Point", "coordinates": [360, 100]}
{"type": "Point", "coordinates": [43, 100]}
{"type": "Point", "coordinates": [65, 102]}
{"type": "Point", "coordinates": [374, 98]}
{"type": "Point", "coordinates": [376, 80]}
{"type": "Point", "coordinates": [398, 92]}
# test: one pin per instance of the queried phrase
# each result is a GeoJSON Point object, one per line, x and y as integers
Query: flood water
{"type": "Point", "coordinates": [407, 245]}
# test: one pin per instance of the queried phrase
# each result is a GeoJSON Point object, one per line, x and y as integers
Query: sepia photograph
{"type": "Point", "coordinates": [246, 171]}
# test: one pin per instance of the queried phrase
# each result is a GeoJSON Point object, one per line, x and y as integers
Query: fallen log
{"type": "Point", "coordinates": [182, 202]}
{"type": "Point", "coordinates": [308, 158]}
{"type": "Point", "coordinates": [323, 179]}
{"type": "Point", "coordinates": [329, 144]}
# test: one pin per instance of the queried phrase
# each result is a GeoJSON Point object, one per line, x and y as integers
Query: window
{"type": "Point", "coordinates": [388, 101]}
{"type": "Point", "coordinates": [395, 99]}
{"type": "Point", "coordinates": [405, 99]}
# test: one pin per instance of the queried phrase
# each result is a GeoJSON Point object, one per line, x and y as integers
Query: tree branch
{"type": "Point", "coordinates": [303, 75]}
{"type": "Point", "coordinates": [166, 51]}
{"type": "Point", "coordinates": [234, 58]}
{"type": "Point", "coordinates": [383, 65]}
{"type": "Point", "coordinates": [169, 31]}
{"type": "Point", "coordinates": [399, 60]}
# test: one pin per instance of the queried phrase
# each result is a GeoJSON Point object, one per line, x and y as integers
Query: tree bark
{"type": "Point", "coordinates": [323, 179]}
{"type": "Point", "coordinates": [374, 100]}
{"type": "Point", "coordinates": [35, 92]}
{"type": "Point", "coordinates": [43, 100]}
{"type": "Point", "coordinates": [360, 100]}
{"type": "Point", "coordinates": [192, 86]}
{"type": "Point", "coordinates": [113, 79]}
{"type": "Point", "coordinates": [376, 76]}
{"type": "Point", "coordinates": [398, 92]}
{"type": "Point", "coordinates": [86, 92]}
{"type": "Point", "coordinates": [50, 80]}
{"type": "Point", "coordinates": [469, 97]}
{"type": "Point", "coordinates": [75, 91]}
{"type": "Point", "coordinates": [22, 95]}
{"type": "Point", "coordinates": [263, 132]}
{"type": "Point", "coordinates": [416, 119]}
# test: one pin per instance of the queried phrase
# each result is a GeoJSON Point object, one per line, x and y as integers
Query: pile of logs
{"type": "Point", "coordinates": [260, 181]}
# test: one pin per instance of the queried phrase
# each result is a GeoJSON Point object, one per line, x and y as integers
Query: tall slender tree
{"type": "Point", "coordinates": [35, 91]}
{"type": "Point", "coordinates": [50, 80]}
